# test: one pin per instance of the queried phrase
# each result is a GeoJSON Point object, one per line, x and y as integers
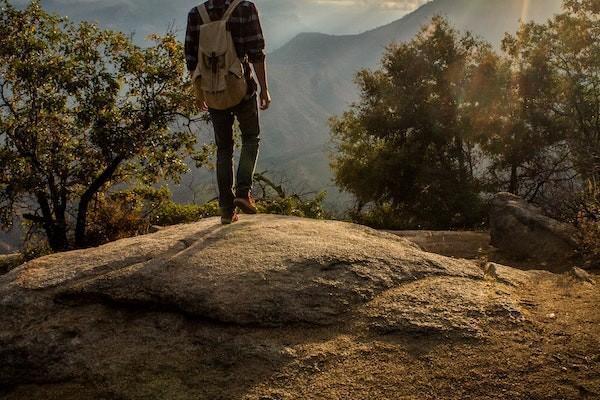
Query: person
{"type": "Point", "coordinates": [246, 31]}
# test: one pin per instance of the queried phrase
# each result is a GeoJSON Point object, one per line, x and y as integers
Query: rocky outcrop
{"type": "Point", "coordinates": [521, 230]}
{"type": "Point", "coordinates": [205, 311]}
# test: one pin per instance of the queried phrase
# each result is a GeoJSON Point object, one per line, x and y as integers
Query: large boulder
{"type": "Point", "coordinates": [521, 230]}
{"type": "Point", "coordinates": [252, 310]}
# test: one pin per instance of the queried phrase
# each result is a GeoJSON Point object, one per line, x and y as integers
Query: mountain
{"type": "Point", "coordinates": [281, 19]}
{"type": "Point", "coordinates": [311, 78]}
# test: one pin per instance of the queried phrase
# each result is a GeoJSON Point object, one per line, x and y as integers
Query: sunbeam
{"type": "Point", "coordinates": [525, 10]}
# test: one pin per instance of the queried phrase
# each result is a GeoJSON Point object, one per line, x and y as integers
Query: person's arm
{"type": "Point", "coordinates": [192, 40]}
{"type": "Point", "coordinates": [260, 69]}
{"type": "Point", "coordinates": [255, 50]}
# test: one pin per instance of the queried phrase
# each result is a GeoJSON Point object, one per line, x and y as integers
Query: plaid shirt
{"type": "Point", "coordinates": [245, 28]}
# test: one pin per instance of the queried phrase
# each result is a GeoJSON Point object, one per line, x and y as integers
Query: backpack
{"type": "Point", "coordinates": [219, 76]}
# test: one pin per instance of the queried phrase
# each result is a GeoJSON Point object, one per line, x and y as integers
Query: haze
{"type": "Point", "coordinates": [282, 19]}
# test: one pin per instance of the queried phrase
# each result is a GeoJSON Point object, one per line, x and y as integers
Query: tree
{"type": "Point", "coordinates": [520, 135]}
{"type": "Point", "coordinates": [81, 110]}
{"type": "Point", "coordinates": [408, 143]}
{"type": "Point", "coordinates": [570, 45]}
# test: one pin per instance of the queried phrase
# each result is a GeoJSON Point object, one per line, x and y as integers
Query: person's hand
{"type": "Point", "coordinates": [265, 99]}
{"type": "Point", "coordinates": [204, 107]}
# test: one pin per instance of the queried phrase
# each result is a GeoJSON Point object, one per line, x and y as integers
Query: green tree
{"type": "Point", "coordinates": [83, 109]}
{"type": "Point", "coordinates": [408, 145]}
{"type": "Point", "coordinates": [520, 135]}
{"type": "Point", "coordinates": [568, 49]}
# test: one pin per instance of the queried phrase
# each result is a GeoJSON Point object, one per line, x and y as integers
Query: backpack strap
{"type": "Point", "coordinates": [204, 14]}
{"type": "Point", "coordinates": [231, 9]}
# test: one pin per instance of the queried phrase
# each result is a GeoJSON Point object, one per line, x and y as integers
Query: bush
{"type": "Point", "coordinates": [171, 213]}
{"type": "Point", "coordinates": [132, 212]}
{"type": "Point", "coordinates": [294, 205]}
{"type": "Point", "coordinates": [469, 212]}
{"type": "Point", "coordinates": [124, 214]}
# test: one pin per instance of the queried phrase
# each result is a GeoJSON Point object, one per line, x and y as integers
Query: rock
{"type": "Point", "coordinates": [582, 275]}
{"type": "Point", "coordinates": [504, 274]}
{"type": "Point", "coordinates": [205, 311]}
{"type": "Point", "coordinates": [262, 272]}
{"type": "Point", "coordinates": [416, 308]}
{"type": "Point", "coordinates": [155, 228]}
{"type": "Point", "coordinates": [522, 231]}
{"type": "Point", "coordinates": [9, 262]}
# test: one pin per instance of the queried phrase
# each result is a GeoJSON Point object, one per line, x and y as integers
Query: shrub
{"type": "Point", "coordinates": [294, 205]}
{"type": "Point", "coordinates": [124, 214]}
{"type": "Point", "coordinates": [171, 213]}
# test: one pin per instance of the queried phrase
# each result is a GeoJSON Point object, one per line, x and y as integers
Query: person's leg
{"type": "Point", "coordinates": [223, 125]}
{"type": "Point", "coordinates": [247, 115]}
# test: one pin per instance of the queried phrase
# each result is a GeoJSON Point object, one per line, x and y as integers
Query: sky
{"type": "Point", "coordinates": [282, 19]}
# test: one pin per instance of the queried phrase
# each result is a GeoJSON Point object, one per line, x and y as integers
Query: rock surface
{"type": "Point", "coordinates": [264, 308]}
{"type": "Point", "coordinates": [521, 230]}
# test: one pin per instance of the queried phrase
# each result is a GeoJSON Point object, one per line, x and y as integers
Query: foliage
{"type": "Point", "coordinates": [408, 144]}
{"type": "Point", "coordinates": [83, 109]}
{"type": "Point", "coordinates": [294, 205]}
{"type": "Point", "coordinates": [520, 136]}
{"type": "Point", "coordinates": [447, 120]}
{"type": "Point", "coordinates": [123, 213]}
{"type": "Point", "coordinates": [133, 212]}
{"type": "Point", "coordinates": [275, 200]}
{"type": "Point", "coordinates": [567, 51]}
{"type": "Point", "coordinates": [171, 213]}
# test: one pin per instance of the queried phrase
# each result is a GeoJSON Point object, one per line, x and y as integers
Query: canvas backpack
{"type": "Point", "coordinates": [219, 76]}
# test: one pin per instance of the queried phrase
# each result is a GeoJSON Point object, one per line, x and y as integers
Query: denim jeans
{"type": "Point", "coordinates": [247, 115]}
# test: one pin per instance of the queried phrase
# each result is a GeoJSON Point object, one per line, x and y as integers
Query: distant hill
{"type": "Point", "coordinates": [312, 77]}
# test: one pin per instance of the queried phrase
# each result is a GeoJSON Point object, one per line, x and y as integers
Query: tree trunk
{"type": "Point", "coordinates": [86, 198]}
{"type": "Point", "coordinates": [57, 237]}
{"type": "Point", "coordinates": [56, 232]}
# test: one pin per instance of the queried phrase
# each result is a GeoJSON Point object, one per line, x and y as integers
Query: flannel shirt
{"type": "Point", "coordinates": [245, 29]}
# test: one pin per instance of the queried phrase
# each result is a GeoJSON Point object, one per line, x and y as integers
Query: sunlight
{"type": "Point", "coordinates": [525, 10]}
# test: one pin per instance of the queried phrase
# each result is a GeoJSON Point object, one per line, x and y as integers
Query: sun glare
{"type": "Point", "coordinates": [525, 10]}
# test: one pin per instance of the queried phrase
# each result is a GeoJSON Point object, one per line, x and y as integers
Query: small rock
{"type": "Point", "coordinates": [582, 275]}
{"type": "Point", "coordinates": [490, 270]}
{"type": "Point", "coordinates": [155, 228]}
{"type": "Point", "coordinates": [551, 316]}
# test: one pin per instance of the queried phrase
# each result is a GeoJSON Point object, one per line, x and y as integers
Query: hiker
{"type": "Point", "coordinates": [223, 38]}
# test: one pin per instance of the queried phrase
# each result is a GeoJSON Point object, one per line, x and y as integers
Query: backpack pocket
{"type": "Point", "coordinates": [237, 87]}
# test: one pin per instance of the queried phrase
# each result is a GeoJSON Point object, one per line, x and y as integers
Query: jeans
{"type": "Point", "coordinates": [247, 115]}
